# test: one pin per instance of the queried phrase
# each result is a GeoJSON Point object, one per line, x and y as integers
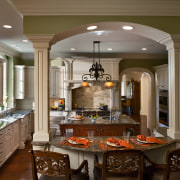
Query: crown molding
{"type": "Point", "coordinates": [100, 7]}
{"type": "Point", "coordinates": [6, 50]}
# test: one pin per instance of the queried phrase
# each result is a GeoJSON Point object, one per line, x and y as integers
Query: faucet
{"type": "Point", "coordinates": [6, 112]}
{"type": "Point", "coordinates": [110, 116]}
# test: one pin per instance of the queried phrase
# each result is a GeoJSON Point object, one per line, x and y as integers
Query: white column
{"type": "Point", "coordinates": [173, 46]}
{"type": "Point", "coordinates": [69, 76]}
{"type": "Point", "coordinates": [41, 86]}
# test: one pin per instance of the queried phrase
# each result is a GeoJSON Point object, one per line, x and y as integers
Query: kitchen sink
{"type": "Point", "coordinates": [108, 118]}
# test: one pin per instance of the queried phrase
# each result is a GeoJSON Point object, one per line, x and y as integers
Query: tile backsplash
{"type": "Point", "coordinates": [90, 97]}
{"type": "Point", "coordinates": [54, 101]}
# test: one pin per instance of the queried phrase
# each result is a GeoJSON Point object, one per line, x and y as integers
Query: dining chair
{"type": "Point", "coordinates": [170, 170]}
{"type": "Point", "coordinates": [48, 165]}
{"type": "Point", "coordinates": [126, 164]}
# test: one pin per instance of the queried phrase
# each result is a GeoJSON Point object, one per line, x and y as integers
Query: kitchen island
{"type": "Point", "coordinates": [102, 126]}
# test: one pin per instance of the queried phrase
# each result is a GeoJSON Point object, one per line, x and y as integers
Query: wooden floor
{"type": "Point", "coordinates": [18, 166]}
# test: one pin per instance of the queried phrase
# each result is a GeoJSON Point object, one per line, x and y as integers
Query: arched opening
{"type": "Point", "coordinates": [140, 30]}
{"type": "Point", "coordinates": [145, 81]}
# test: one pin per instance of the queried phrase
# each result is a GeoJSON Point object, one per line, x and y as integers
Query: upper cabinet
{"type": "Point", "coordinates": [24, 82]}
{"type": "Point", "coordinates": [56, 81]}
{"type": "Point", "coordinates": [1, 83]}
{"type": "Point", "coordinates": [29, 82]}
{"type": "Point", "coordinates": [19, 82]}
{"type": "Point", "coordinates": [162, 76]}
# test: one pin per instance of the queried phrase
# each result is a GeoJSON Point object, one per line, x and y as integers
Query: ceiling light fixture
{"type": "Point", "coordinates": [128, 28]}
{"type": "Point", "coordinates": [6, 26]}
{"type": "Point", "coordinates": [13, 45]}
{"type": "Point", "coordinates": [91, 28]}
{"type": "Point", "coordinates": [73, 49]}
{"type": "Point", "coordinates": [109, 49]}
{"type": "Point", "coordinates": [96, 71]}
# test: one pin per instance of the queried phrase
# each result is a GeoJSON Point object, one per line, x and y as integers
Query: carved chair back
{"type": "Point", "coordinates": [173, 162]}
{"type": "Point", "coordinates": [50, 164]}
{"type": "Point", "coordinates": [123, 162]}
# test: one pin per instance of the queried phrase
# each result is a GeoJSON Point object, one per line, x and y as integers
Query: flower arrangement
{"type": "Point", "coordinates": [61, 103]}
{"type": "Point", "coordinates": [5, 101]}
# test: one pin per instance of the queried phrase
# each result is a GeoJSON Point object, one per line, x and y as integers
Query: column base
{"type": "Point", "coordinates": [40, 137]}
{"type": "Point", "coordinates": [173, 134]}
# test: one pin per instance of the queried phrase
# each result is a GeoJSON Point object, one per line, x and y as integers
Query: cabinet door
{"type": "Point", "coordinates": [29, 82]}
{"type": "Point", "coordinates": [19, 82]}
{"type": "Point", "coordinates": [164, 82]}
{"type": "Point", "coordinates": [2, 148]}
{"type": "Point", "coordinates": [162, 77]}
{"type": "Point", "coordinates": [51, 82]}
{"type": "Point", "coordinates": [56, 82]}
{"type": "Point", "coordinates": [16, 135]}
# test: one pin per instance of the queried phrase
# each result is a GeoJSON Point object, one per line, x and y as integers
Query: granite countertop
{"type": "Point", "coordinates": [12, 117]}
{"type": "Point", "coordinates": [123, 119]}
{"type": "Point", "coordinates": [95, 146]}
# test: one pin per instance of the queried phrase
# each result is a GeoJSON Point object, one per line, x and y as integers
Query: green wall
{"type": "Point", "coordinates": [57, 24]}
{"type": "Point", "coordinates": [19, 61]}
{"type": "Point", "coordinates": [141, 63]}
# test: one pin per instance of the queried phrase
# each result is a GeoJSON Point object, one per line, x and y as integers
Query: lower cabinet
{"type": "Point", "coordinates": [9, 141]}
{"type": "Point", "coordinates": [14, 136]}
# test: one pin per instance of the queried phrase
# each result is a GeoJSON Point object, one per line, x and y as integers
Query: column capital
{"type": "Point", "coordinates": [171, 42]}
{"type": "Point", "coordinates": [40, 40]}
{"type": "Point", "coordinates": [68, 60]}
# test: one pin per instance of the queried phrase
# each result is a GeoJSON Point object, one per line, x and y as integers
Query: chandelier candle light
{"type": "Point", "coordinates": [96, 71]}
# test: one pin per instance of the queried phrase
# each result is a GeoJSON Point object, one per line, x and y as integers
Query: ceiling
{"type": "Point", "coordinates": [121, 42]}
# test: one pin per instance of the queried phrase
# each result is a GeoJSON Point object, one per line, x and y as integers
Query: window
{"type": "Point", "coordinates": [3, 80]}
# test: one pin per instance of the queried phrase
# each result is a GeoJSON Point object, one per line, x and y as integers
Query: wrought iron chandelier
{"type": "Point", "coordinates": [96, 71]}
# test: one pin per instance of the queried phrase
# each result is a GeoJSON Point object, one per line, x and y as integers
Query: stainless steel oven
{"type": "Point", "coordinates": [163, 107]}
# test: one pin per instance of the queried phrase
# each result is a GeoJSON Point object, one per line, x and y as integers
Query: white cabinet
{"type": "Point", "coordinates": [162, 76]}
{"type": "Point", "coordinates": [19, 82]}
{"type": "Point", "coordinates": [16, 136]}
{"type": "Point", "coordinates": [24, 82]}
{"type": "Point", "coordinates": [8, 138]}
{"type": "Point", "coordinates": [1, 83]}
{"type": "Point", "coordinates": [2, 148]}
{"type": "Point", "coordinates": [56, 81]}
{"type": "Point", "coordinates": [29, 82]}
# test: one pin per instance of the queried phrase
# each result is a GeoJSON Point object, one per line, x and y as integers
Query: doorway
{"type": "Point", "coordinates": [137, 84]}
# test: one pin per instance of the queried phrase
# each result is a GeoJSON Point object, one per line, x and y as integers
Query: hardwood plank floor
{"type": "Point", "coordinates": [18, 166]}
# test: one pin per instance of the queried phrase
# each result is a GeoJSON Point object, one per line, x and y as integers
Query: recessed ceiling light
{"type": "Point", "coordinates": [7, 26]}
{"type": "Point", "coordinates": [13, 45]}
{"type": "Point", "coordinates": [109, 49]}
{"type": "Point", "coordinates": [73, 49]}
{"type": "Point", "coordinates": [128, 28]}
{"type": "Point", "coordinates": [25, 40]}
{"type": "Point", "coordinates": [91, 27]}
{"type": "Point", "coordinates": [144, 49]}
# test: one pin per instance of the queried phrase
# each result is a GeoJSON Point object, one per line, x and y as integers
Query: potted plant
{"type": "Point", "coordinates": [103, 106]}
{"type": "Point", "coordinates": [1, 107]}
